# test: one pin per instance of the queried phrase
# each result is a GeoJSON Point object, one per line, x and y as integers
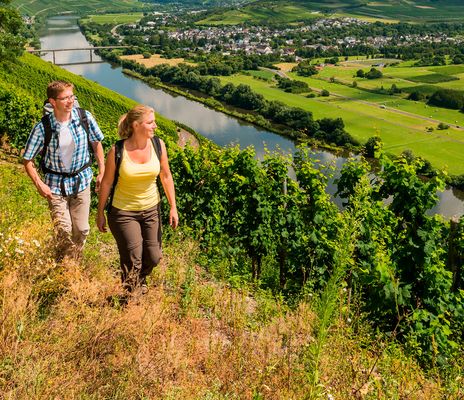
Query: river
{"type": "Point", "coordinates": [63, 32]}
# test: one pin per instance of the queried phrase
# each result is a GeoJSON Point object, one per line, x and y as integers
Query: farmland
{"type": "Point", "coordinates": [114, 19]}
{"type": "Point", "coordinates": [402, 124]}
{"type": "Point", "coordinates": [273, 12]}
{"type": "Point", "coordinates": [154, 60]}
{"type": "Point", "coordinates": [389, 11]}
{"type": "Point", "coordinates": [51, 7]}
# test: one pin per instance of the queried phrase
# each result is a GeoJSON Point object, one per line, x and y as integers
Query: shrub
{"type": "Point", "coordinates": [448, 99]}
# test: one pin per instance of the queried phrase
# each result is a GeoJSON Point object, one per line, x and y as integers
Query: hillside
{"type": "Point", "coordinates": [43, 8]}
{"type": "Point", "coordinates": [280, 11]}
{"type": "Point", "coordinates": [262, 293]}
{"type": "Point", "coordinates": [66, 335]}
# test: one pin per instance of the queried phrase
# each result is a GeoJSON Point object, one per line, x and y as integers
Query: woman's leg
{"type": "Point", "coordinates": [126, 229]}
{"type": "Point", "coordinates": [151, 233]}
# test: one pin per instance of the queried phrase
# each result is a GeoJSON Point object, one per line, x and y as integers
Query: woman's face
{"type": "Point", "coordinates": [147, 124]}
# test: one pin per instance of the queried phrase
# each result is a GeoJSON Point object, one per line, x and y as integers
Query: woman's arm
{"type": "Point", "coordinates": [105, 189]}
{"type": "Point", "coordinates": [168, 186]}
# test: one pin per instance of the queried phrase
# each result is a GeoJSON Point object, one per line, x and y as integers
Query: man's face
{"type": "Point", "coordinates": [64, 101]}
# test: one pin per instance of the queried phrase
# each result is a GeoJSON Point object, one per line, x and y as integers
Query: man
{"type": "Point", "coordinates": [66, 165]}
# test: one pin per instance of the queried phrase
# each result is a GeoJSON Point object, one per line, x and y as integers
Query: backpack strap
{"type": "Point", "coordinates": [118, 151]}
{"type": "Point", "coordinates": [47, 125]}
{"type": "Point", "coordinates": [85, 124]}
{"type": "Point", "coordinates": [155, 140]}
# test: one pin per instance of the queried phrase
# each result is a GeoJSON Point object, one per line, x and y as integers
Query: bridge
{"type": "Point", "coordinates": [89, 49]}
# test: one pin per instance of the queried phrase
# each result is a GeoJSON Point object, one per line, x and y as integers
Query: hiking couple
{"type": "Point", "coordinates": [66, 138]}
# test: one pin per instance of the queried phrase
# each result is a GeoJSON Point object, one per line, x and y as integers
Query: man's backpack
{"type": "Point", "coordinates": [48, 136]}
{"type": "Point", "coordinates": [118, 151]}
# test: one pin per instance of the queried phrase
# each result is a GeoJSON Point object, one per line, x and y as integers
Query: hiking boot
{"type": "Point", "coordinates": [143, 288]}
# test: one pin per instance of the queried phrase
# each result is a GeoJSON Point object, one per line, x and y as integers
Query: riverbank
{"type": "Point", "coordinates": [254, 119]}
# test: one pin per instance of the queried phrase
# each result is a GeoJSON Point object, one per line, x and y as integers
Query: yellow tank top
{"type": "Point", "coordinates": [136, 189]}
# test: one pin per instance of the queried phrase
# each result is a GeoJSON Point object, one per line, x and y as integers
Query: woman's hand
{"type": "Point", "coordinates": [101, 222]}
{"type": "Point", "coordinates": [173, 218]}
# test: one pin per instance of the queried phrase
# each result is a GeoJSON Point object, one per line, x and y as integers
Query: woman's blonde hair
{"type": "Point", "coordinates": [126, 122]}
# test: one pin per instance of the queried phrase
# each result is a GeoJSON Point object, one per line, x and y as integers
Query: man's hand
{"type": "Point", "coordinates": [98, 182]}
{"type": "Point", "coordinates": [44, 190]}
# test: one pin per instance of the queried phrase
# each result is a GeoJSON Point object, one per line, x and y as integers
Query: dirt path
{"type": "Point", "coordinates": [185, 138]}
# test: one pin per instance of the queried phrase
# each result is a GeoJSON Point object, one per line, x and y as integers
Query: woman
{"type": "Point", "coordinates": [134, 217]}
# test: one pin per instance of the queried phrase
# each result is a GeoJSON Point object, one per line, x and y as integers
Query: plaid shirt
{"type": "Point", "coordinates": [53, 160]}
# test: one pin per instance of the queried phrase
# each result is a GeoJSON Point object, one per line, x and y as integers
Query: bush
{"type": "Point", "coordinates": [373, 146]}
{"type": "Point", "coordinates": [448, 99]}
{"type": "Point", "coordinates": [325, 93]}
{"type": "Point", "coordinates": [416, 96]}
{"type": "Point", "coordinates": [18, 114]}
{"type": "Point", "coordinates": [374, 74]}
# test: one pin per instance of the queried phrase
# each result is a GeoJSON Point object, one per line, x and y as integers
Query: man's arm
{"type": "Point", "coordinates": [42, 188]}
{"type": "Point", "coordinates": [100, 157]}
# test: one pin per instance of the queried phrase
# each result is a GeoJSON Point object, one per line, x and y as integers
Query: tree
{"type": "Point", "coordinates": [374, 74]}
{"type": "Point", "coordinates": [11, 27]}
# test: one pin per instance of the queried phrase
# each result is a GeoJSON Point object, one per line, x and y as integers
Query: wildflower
{"type": "Point", "coordinates": [20, 241]}
{"type": "Point", "coordinates": [36, 242]}
{"type": "Point", "coordinates": [19, 251]}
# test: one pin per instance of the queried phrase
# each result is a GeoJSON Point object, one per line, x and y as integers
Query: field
{"type": "Point", "coordinates": [155, 59]}
{"type": "Point", "coordinates": [389, 11]}
{"type": "Point", "coordinates": [402, 124]}
{"type": "Point", "coordinates": [273, 12]}
{"type": "Point", "coordinates": [114, 19]}
{"type": "Point", "coordinates": [51, 7]}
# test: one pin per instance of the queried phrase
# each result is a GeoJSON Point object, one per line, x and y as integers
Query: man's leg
{"type": "Point", "coordinates": [61, 218]}
{"type": "Point", "coordinates": [79, 208]}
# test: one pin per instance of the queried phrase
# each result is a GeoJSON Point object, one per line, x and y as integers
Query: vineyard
{"type": "Point", "coordinates": [385, 261]}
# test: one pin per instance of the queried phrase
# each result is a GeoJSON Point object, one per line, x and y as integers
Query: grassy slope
{"type": "Point", "coordinates": [114, 19]}
{"type": "Point", "coordinates": [51, 7]}
{"type": "Point", "coordinates": [65, 335]}
{"type": "Point", "coordinates": [105, 104]}
{"type": "Point", "coordinates": [297, 10]}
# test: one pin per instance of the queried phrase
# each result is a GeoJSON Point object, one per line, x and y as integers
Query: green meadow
{"type": "Point", "coordinates": [257, 13]}
{"type": "Point", "coordinates": [52, 7]}
{"type": "Point", "coordinates": [389, 11]}
{"type": "Point", "coordinates": [119, 18]}
{"type": "Point", "coordinates": [402, 124]}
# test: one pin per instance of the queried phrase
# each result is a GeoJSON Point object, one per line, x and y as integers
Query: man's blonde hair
{"type": "Point", "coordinates": [56, 87]}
